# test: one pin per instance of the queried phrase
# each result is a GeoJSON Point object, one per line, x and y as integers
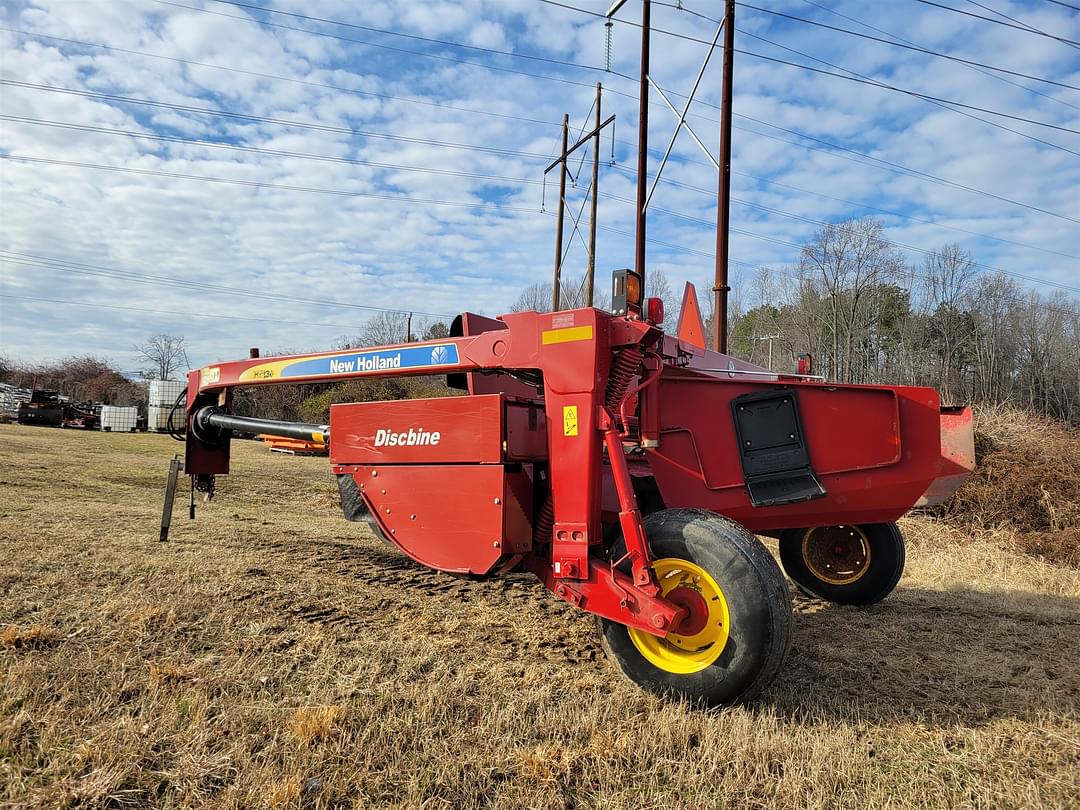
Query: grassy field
{"type": "Point", "coordinates": [274, 655]}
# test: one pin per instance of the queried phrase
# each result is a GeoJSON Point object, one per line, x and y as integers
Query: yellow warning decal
{"type": "Point", "coordinates": [569, 419]}
{"type": "Point", "coordinates": [210, 375]}
{"type": "Point", "coordinates": [568, 334]}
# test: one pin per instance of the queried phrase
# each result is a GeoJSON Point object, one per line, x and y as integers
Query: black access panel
{"type": "Point", "coordinates": [772, 448]}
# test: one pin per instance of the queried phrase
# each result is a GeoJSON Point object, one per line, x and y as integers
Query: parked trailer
{"type": "Point", "coordinates": [42, 408]}
{"type": "Point", "coordinates": [628, 470]}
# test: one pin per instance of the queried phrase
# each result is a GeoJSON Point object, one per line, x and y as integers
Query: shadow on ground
{"type": "Point", "coordinates": [935, 657]}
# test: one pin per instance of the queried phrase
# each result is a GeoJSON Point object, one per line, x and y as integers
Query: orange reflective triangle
{"type": "Point", "coordinates": [691, 326]}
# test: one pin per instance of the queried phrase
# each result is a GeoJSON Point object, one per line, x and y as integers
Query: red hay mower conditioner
{"type": "Point", "coordinates": [629, 470]}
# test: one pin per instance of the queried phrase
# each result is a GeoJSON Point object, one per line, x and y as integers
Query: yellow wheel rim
{"type": "Point", "coordinates": [838, 555]}
{"type": "Point", "coordinates": [705, 630]}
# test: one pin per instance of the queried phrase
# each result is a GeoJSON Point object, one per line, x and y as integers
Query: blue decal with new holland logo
{"type": "Point", "coordinates": [378, 360]}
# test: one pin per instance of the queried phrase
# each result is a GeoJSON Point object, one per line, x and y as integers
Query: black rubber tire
{"type": "Point", "coordinates": [355, 508]}
{"type": "Point", "coordinates": [886, 566]}
{"type": "Point", "coordinates": [759, 608]}
{"type": "Point", "coordinates": [352, 502]}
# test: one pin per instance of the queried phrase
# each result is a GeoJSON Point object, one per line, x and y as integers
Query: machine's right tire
{"type": "Point", "coordinates": [757, 607]}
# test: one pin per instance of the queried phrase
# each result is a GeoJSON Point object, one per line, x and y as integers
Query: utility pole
{"type": "Point", "coordinates": [408, 328]}
{"type": "Point", "coordinates": [559, 217]}
{"type": "Point", "coordinates": [769, 338]}
{"type": "Point", "coordinates": [590, 275]}
{"type": "Point", "coordinates": [643, 140]}
{"type": "Point", "coordinates": [723, 202]}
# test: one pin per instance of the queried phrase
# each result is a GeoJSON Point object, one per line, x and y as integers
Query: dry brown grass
{"type": "Point", "coordinates": [1026, 483]}
{"type": "Point", "coordinates": [961, 690]}
{"type": "Point", "coordinates": [34, 636]}
{"type": "Point", "coordinates": [310, 723]}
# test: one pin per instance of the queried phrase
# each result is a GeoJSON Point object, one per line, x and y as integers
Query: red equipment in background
{"type": "Point", "coordinates": [624, 467]}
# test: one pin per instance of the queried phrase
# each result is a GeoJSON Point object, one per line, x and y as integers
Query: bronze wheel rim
{"type": "Point", "coordinates": [838, 555]}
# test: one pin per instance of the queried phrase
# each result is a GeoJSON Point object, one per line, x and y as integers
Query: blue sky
{"type": "Point", "coordinates": [333, 181]}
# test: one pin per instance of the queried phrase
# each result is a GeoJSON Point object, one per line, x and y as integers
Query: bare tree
{"type": "Point", "coordinates": [658, 286]}
{"type": "Point", "coordinates": [537, 297]}
{"type": "Point", "coordinates": [534, 298]}
{"type": "Point", "coordinates": [165, 355]}
{"type": "Point", "coordinates": [380, 330]}
{"type": "Point", "coordinates": [949, 272]}
{"type": "Point", "coordinates": [850, 259]}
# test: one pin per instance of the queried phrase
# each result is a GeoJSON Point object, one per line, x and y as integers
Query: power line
{"type": "Point", "coordinates": [258, 150]}
{"type": "Point", "coordinates": [891, 166]}
{"type": "Point", "coordinates": [82, 268]}
{"type": "Point", "coordinates": [96, 270]}
{"type": "Point", "coordinates": [883, 85]}
{"type": "Point", "coordinates": [894, 36]}
{"type": "Point", "coordinates": [471, 175]}
{"type": "Point", "coordinates": [447, 172]}
{"type": "Point", "coordinates": [931, 99]}
{"type": "Point", "coordinates": [341, 192]}
{"type": "Point", "coordinates": [712, 193]}
{"type": "Point", "coordinates": [312, 125]}
{"type": "Point", "coordinates": [876, 83]}
{"type": "Point", "coordinates": [440, 57]}
{"type": "Point", "coordinates": [299, 154]}
{"type": "Point", "coordinates": [896, 167]}
{"type": "Point", "coordinates": [4, 295]}
{"type": "Point", "coordinates": [914, 93]}
{"type": "Point", "coordinates": [276, 186]}
{"type": "Point", "coordinates": [822, 223]}
{"type": "Point", "coordinates": [1066, 5]}
{"type": "Point", "coordinates": [356, 26]}
{"type": "Point", "coordinates": [1031, 28]}
{"type": "Point", "coordinates": [273, 77]}
{"type": "Point", "coordinates": [997, 22]}
{"type": "Point", "coordinates": [915, 48]}
{"type": "Point", "coordinates": [389, 165]}
{"type": "Point", "coordinates": [332, 192]}
{"type": "Point", "coordinates": [862, 78]}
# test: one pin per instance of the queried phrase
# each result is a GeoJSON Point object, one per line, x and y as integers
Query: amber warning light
{"type": "Point", "coordinates": [626, 293]}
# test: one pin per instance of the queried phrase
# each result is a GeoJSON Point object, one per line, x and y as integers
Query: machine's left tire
{"type": "Point", "coordinates": [848, 565]}
{"type": "Point", "coordinates": [740, 631]}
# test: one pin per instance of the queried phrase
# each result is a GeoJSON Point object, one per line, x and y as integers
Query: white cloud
{"type": "Point", "coordinates": [384, 250]}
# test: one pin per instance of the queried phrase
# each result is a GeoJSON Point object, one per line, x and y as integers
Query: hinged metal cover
{"type": "Point", "coordinates": [772, 448]}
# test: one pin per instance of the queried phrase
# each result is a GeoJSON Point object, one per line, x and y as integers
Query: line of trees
{"type": "Point", "coordinates": [867, 316]}
{"type": "Point", "coordinates": [83, 379]}
{"type": "Point", "coordinates": [852, 300]}
{"type": "Point", "coordinates": [92, 379]}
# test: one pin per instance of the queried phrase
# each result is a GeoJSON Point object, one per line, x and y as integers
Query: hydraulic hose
{"type": "Point", "coordinates": [210, 422]}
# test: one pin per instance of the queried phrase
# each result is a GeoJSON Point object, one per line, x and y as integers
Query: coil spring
{"type": "Point", "coordinates": [623, 371]}
{"type": "Point", "coordinates": [545, 522]}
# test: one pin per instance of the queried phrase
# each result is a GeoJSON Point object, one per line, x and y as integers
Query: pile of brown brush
{"type": "Point", "coordinates": [1027, 480]}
